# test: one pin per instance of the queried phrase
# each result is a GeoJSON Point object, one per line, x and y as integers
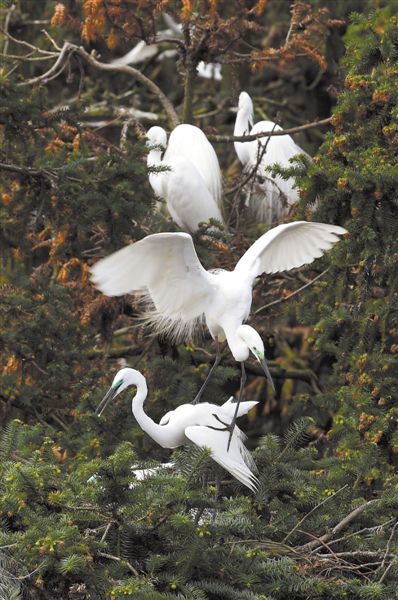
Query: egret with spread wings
{"type": "Point", "coordinates": [166, 268]}
{"type": "Point", "coordinates": [205, 424]}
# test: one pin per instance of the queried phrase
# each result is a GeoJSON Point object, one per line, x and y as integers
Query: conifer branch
{"type": "Point", "coordinates": [286, 298]}
{"type": "Point", "coordinates": [28, 171]}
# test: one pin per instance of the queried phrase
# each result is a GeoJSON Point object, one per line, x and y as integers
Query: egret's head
{"type": "Point", "coordinates": [256, 346]}
{"type": "Point", "coordinates": [122, 380]}
{"type": "Point", "coordinates": [156, 136]}
{"type": "Point", "coordinates": [245, 103]}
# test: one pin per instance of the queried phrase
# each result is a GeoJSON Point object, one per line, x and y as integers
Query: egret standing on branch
{"type": "Point", "coordinates": [206, 425]}
{"type": "Point", "coordinates": [165, 268]}
{"type": "Point", "coordinates": [191, 185]}
{"type": "Point", "coordinates": [270, 197]}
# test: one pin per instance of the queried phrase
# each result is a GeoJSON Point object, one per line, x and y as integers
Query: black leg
{"type": "Point", "coordinates": [209, 374]}
{"type": "Point", "coordinates": [242, 385]}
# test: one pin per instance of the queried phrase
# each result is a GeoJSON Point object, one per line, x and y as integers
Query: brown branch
{"type": "Point", "coordinates": [256, 136]}
{"type": "Point", "coordinates": [286, 298]}
{"type": "Point", "coordinates": [341, 525]}
{"type": "Point", "coordinates": [313, 510]}
{"type": "Point", "coordinates": [69, 49]}
{"type": "Point", "coordinates": [279, 372]}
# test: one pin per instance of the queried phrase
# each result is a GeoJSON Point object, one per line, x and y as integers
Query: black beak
{"type": "Point", "coordinates": [109, 396]}
{"type": "Point", "coordinates": [268, 375]}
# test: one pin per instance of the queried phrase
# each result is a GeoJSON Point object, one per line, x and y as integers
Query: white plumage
{"type": "Point", "coordinates": [205, 425]}
{"type": "Point", "coordinates": [165, 267]}
{"type": "Point", "coordinates": [191, 181]}
{"type": "Point", "coordinates": [270, 197]}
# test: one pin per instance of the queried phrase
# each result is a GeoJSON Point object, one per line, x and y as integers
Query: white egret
{"type": "Point", "coordinates": [270, 197]}
{"type": "Point", "coordinates": [206, 425]}
{"type": "Point", "coordinates": [165, 268]}
{"type": "Point", "coordinates": [191, 185]}
{"type": "Point", "coordinates": [209, 70]}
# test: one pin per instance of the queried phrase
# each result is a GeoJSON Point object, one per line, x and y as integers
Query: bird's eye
{"type": "Point", "coordinates": [117, 384]}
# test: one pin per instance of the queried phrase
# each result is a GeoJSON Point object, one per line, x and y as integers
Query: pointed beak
{"type": "Point", "coordinates": [265, 368]}
{"type": "Point", "coordinates": [109, 396]}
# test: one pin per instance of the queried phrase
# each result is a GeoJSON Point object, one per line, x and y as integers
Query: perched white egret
{"type": "Point", "coordinates": [165, 268]}
{"type": "Point", "coordinates": [191, 185]}
{"type": "Point", "coordinates": [270, 197]}
{"type": "Point", "coordinates": [206, 425]}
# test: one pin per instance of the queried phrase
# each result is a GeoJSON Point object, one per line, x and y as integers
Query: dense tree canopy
{"type": "Point", "coordinates": [76, 522]}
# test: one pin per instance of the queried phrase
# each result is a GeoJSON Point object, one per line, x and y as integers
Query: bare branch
{"type": "Point", "coordinates": [125, 562]}
{"type": "Point", "coordinates": [256, 136]}
{"type": "Point", "coordinates": [387, 552]}
{"type": "Point", "coordinates": [313, 510]}
{"type": "Point", "coordinates": [69, 49]}
{"type": "Point", "coordinates": [26, 44]}
{"type": "Point", "coordinates": [341, 525]}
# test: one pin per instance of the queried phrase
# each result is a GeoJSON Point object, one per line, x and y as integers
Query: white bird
{"type": "Point", "coordinates": [191, 185]}
{"type": "Point", "coordinates": [206, 425]}
{"type": "Point", "coordinates": [165, 268]}
{"type": "Point", "coordinates": [270, 197]}
{"type": "Point", "coordinates": [209, 70]}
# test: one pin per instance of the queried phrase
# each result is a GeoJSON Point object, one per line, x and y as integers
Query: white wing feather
{"type": "Point", "coordinates": [232, 460]}
{"type": "Point", "coordinates": [288, 246]}
{"type": "Point", "coordinates": [190, 142]}
{"type": "Point", "coordinates": [230, 405]}
{"type": "Point", "coordinates": [164, 266]}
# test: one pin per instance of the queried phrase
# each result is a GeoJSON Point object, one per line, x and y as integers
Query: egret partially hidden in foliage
{"type": "Point", "coordinates": [191, 180]}
{"type": "Point", "coordinates": [270, 197]}
{"type": "Point", "coordinates": [206, 425]}
{"type": "Point", "coordinates": [165, 268]}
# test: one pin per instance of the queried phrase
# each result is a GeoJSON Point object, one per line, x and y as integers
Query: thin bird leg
{"type": "Point", "coordinates": [235, 417]}
{"type": "Point", "coordinates": [209, 374]}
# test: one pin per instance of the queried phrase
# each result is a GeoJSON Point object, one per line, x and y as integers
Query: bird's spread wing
{"type": "Point", "coordinates": [164, 267]}
{"type": "Point", "coordinates": [288, 246]}
{"type": "Point", "coordinates": [236, 460]}
{"type": "Point", "coordinates": [230, 405]}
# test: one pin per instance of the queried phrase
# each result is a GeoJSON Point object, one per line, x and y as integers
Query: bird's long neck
{"type": "Point", "coordinates": [154, 159]}
{"type": "Point", "coordinates": [244, 121]}
{"type": "Point", "coordinates": [157, 432]}
{"type": "Point", "coordinates": [243, 124]}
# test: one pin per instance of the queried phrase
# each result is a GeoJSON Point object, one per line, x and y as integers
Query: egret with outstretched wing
{"type": "Point", "coordinates": [165, 268]}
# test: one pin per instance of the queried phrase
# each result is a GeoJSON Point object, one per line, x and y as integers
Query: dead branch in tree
{"type": "Point", "coordinates": [261, 134]}
{"type": "Point", "coordinates": [68, 50]}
